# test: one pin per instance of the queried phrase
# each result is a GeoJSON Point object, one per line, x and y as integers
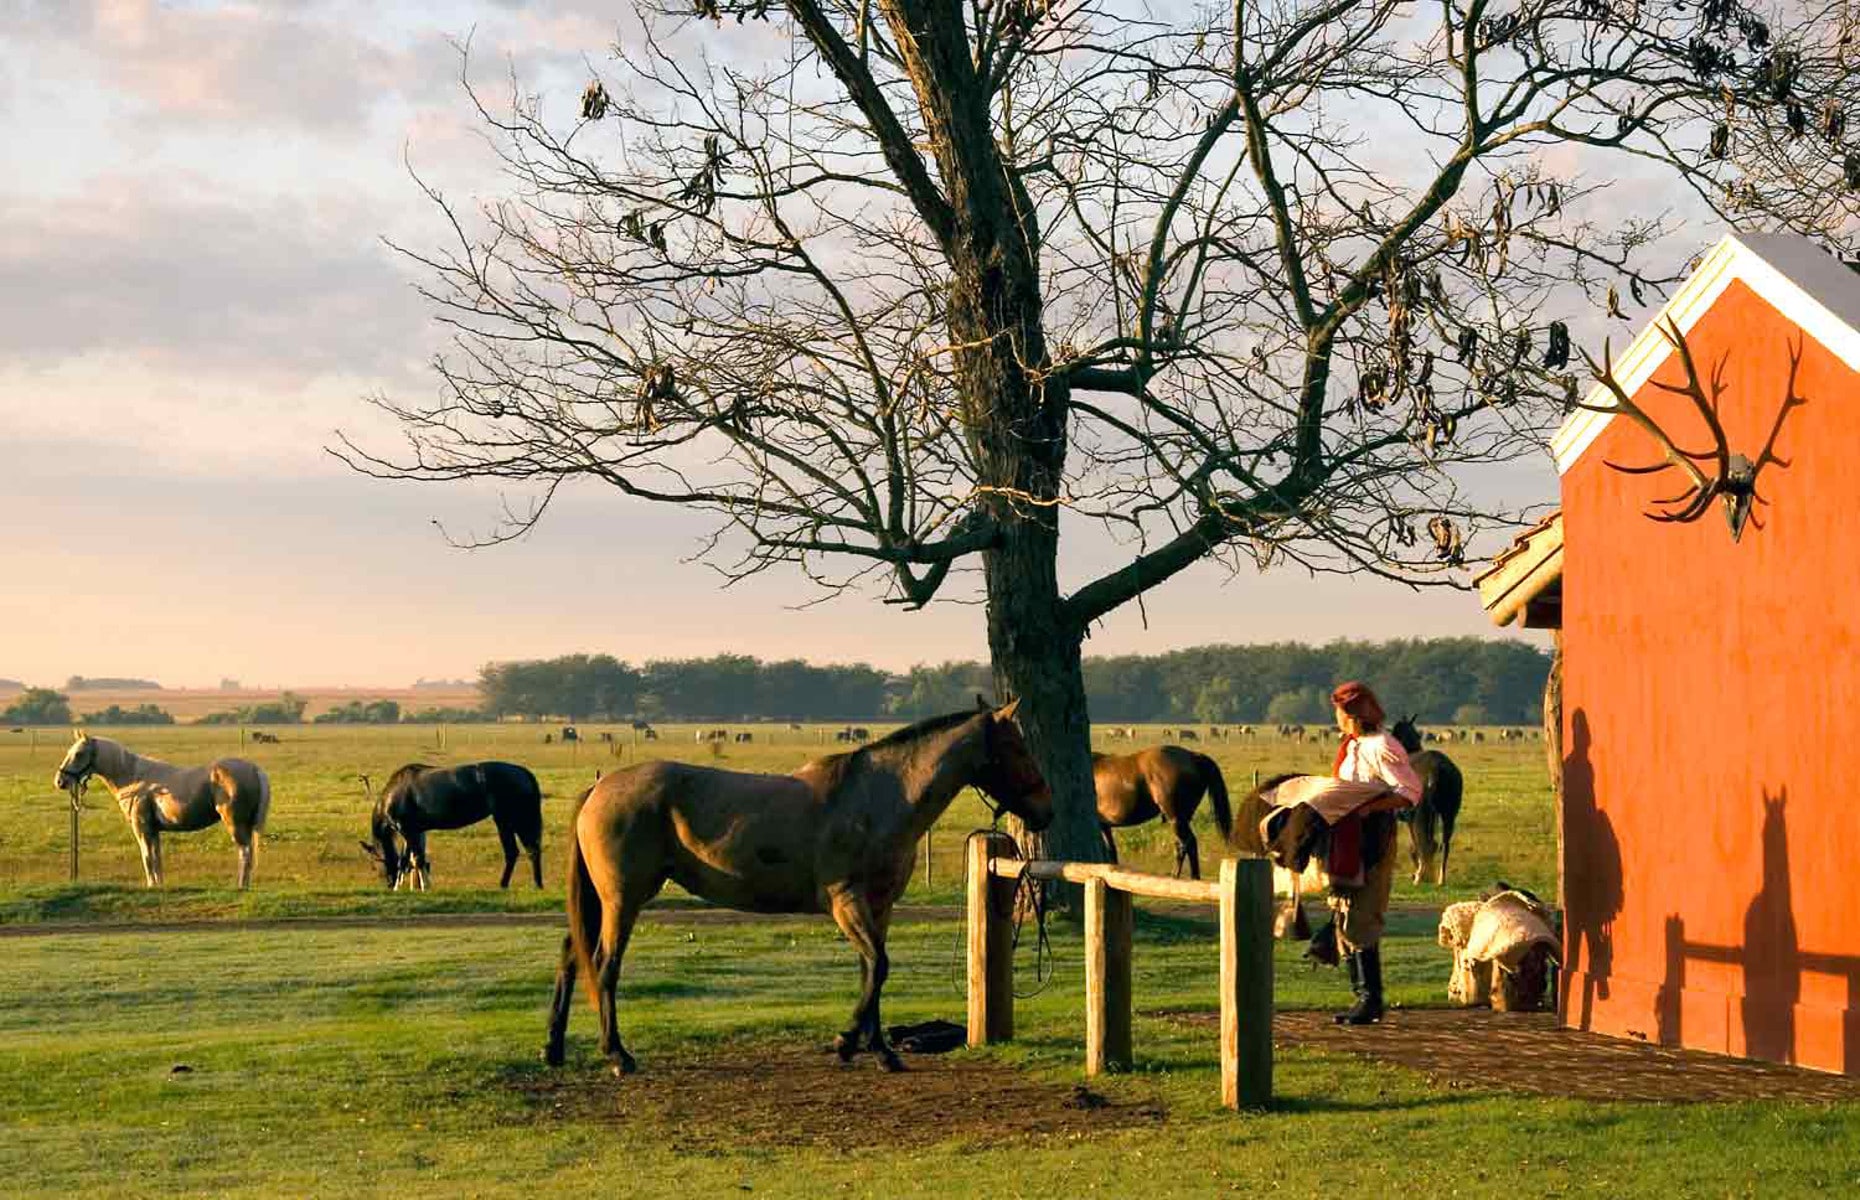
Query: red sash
{"type": "Point", "coordinates": [1346, 836]}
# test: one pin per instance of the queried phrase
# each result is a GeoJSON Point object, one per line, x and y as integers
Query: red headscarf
{"type": "Point", "coordinates": [1356, 699]}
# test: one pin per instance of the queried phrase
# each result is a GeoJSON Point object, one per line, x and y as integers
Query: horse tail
{"type": "Point", "coordinates": [1217, 795]}
{"type": "Point", "coordinates": [583, 904]}
{"type": "Point", "coordinates": [264, 802]}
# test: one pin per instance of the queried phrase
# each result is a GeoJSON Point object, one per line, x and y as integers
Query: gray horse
{"type": "Point", "coordinates": [156, 796]}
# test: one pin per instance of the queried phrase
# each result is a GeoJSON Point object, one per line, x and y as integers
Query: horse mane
{"type": "Point", "coordinates": [833, 770]}
{"type": "Point", "coordinates": [406, 774]}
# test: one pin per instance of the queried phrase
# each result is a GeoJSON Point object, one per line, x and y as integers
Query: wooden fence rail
{"type": "Point", "coordinates": [1244, 899]}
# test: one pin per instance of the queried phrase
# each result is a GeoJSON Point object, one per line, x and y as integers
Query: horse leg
{"type": "Point", "coordinates": [1110, 844]}
{"type": "Point", "coordinates": [151, 857]}
{"type": "Point", "coordinates": [533, 847]}
{"type": "Point", "coordinates": [418, 866]}
{"type": "Point", "coordinates": [242, 842]}
{"type": "Point", "coordinates": [508, 841]}
{"type": "Point", "coordinates": [1187, 847]}
{"type": "Point", "coordinates": [854, 916]}
{"type": "Point", "coordinates": [616, 931]}
{"type": "Point", "coordinates": [242, 838]}
{"type": "Point", "coordinates": [1446, 845]}
{"type": "Point", "coordinates": [559, 1004]}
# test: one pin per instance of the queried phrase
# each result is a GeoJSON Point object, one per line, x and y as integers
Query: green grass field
{"type": "Point", "coordinates": [310, 863]}
{"type": "Point", "coordinates": [379, 1059]}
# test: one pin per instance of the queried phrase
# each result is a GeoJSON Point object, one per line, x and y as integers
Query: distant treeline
{"type": "Point", "coordinates": [78, 683]}
{"type": "Point", "coordinates": [1465, 680]}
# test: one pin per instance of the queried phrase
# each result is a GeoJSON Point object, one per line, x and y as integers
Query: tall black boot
{"type": "Point", "coordinates": [1354, 966]}
{"type": "Point", "coordinates": [1368, 1007]}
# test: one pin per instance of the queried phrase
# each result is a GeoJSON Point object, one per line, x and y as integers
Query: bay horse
{"type": "Point", "coordinates": [1430, 823]}
{"type": "Point", "coordinates": [158, 797]}
{"type": "Point", "coordinates": [1165, 782]}
{"type": "Point", "coordinates": [838, 836]}
{"type": "Point", "coordinates": [419, 798]}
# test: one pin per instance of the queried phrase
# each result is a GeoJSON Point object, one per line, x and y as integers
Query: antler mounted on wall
{"type": "Point", "coordinates": [1733, 477]}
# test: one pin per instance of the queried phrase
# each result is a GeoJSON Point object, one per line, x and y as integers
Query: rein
{"type": "Point", "coordinates": [1029, 896]}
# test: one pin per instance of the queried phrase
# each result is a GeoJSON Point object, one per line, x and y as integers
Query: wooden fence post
{"type": "Point", "coordinates": [1108, 921]}
{"type": "Point", "coordinates": [990, 941]}
{"type": "Point", "coordinates": [1246, 983]}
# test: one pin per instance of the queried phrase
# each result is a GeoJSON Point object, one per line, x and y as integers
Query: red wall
{"type": "Point", "coordinates": [1712, 813]}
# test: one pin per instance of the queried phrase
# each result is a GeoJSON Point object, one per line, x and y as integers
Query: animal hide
{"type": "Point", "coordinates": [1502, 951]}
{"type": "Point", "coordinates": [1309, 812]}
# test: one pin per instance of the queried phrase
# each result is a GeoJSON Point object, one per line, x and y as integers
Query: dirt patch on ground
{"type": "Point", "coordinates": [1480, 1049]}
{"type": "Point", "coordinates": [724, 1099]}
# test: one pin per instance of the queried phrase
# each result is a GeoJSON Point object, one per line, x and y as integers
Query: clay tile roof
{"type": "Point", "coordinates": [1524, 571]}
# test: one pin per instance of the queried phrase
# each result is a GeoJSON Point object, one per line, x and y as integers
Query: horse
{"type": "Point", "coordinates": [838, 836]}
{"type": "Point", "coordinates": [1430, 823]}
{"type": "Point", "coordinates": [159, 797]}
{"type": "Point", "coordinates": [419, 798]}
{"type": "Point", "coordinates": [1162, 782]}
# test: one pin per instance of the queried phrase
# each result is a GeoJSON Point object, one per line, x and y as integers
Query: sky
{"type": "Point", "coordinates": [197, 297]}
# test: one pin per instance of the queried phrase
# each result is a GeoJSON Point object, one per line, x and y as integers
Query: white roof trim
{"type": "Point", "coordinates": [1810, 288]}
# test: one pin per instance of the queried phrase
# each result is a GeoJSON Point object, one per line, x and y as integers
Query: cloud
{"type": "Point", "coordinates": [281, 65]}
{"type": "Point", "coordinates": [215, 279]}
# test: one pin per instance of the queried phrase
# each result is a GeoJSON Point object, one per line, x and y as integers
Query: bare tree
{"type": "Point", "coordinates": [892, 288]}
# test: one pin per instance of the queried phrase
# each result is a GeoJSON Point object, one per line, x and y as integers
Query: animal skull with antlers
{"type": "Point", "coordinates": [1734, 477]}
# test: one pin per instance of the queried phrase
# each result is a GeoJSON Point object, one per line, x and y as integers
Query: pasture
{"type": "Point", "coordinates": [358, 1055]}
{"type": "Point", "coordinates": [310, 863]}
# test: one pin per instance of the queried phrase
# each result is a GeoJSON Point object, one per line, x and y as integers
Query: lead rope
{"type": "Point", "coordinates": [1029, 895]}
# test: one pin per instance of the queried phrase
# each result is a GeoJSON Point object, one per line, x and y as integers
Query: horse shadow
{"type": "Point", "coordinates": [1770, 957]}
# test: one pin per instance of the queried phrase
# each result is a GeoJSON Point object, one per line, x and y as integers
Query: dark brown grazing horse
{"type": "Point", "coordinates": [419, 798]}
{"type": "Point", "coordinates": [1430, 823]}
{"type": "Point", "coordinates": [1164, 782]}
{"type": "Point", "coordinates": [837, 836]}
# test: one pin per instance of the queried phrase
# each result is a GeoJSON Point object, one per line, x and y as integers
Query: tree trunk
{"type": "Point", "coordinates": [1037, 658]}
{"type": "Point", "coordinates": [1553, 748]}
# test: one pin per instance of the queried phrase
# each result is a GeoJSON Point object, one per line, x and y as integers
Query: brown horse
{"type": "Point", "coordinates": [158, 797]}
{"type": "Point", "coordinates": [837, 836]}
{"type": "Point", "coordinates": [1164, 782]}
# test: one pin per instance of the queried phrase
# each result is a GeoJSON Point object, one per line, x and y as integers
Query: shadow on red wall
{"type": "Point", "coordinates": [1592, 878]}
{"type": "Point", "coordinates": [1771, 959]}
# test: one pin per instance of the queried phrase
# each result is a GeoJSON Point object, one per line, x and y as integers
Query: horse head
{"type": "Point", "coordinates": [382, 848]}
{"type": "Point", "coordinates": [1009, 772]}
{"type": "Point", "coordinates": [80, 763]}
{"type": "Point", "coordinates": [1404, 731]}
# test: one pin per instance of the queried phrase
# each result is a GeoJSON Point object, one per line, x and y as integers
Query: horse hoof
{"type": "Point", "coordinates": [845, 1046]}
{"type": "Point", "coordinates": [624, 1066]}
{"type": "Point", "coordinates": [553, 1055]}
{"type": "Point", "coordinates": [889, 1062]}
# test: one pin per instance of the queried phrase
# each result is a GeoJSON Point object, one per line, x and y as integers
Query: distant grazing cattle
{"type": "Point", "coordinates": [606, 736]}
{"type": "Point", "coordinates": [842, 735]}
{"type": "Point", "coordinates": [794, 725]}
{"type": "Point", "coordinates": [652, 735]}
{"type": "Point", "coordinates": [569, 734]}
{"type": "Point", "coordinates": [642, 725]}
{"type": "Point", "coordinates": [261, 737]}
{"type": "Point", "coordinates": [1187, 735]}
{"type": "Point", "coordinates": [548, 739]}
{"type": "Point", "coordinates": [745, 737]}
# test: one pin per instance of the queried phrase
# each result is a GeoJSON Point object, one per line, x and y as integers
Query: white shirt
{"type": "Point", "coordinates": [1379, 758]}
